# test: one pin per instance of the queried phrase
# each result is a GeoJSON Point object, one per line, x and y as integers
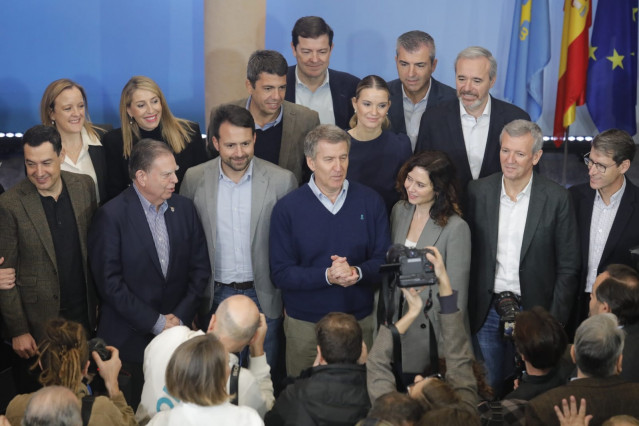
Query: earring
{"type": "Point", "coordinates": [53, 123]}
{"type": "Point", "coordinates": [130, 120]}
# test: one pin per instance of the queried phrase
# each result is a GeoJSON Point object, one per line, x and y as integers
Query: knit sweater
{"type": "Point", "coordinates": [304, 236]}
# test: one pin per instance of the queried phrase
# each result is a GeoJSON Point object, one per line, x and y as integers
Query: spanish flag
{"type": "Point", "coordinates": [573, 65]}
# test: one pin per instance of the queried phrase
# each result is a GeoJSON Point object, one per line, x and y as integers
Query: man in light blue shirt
{"type": "Point", "coordinates": [237, 227]}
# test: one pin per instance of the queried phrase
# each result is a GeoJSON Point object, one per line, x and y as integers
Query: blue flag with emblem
{"type": "Point", "coordinates": [529, 55]}
{"type": "Point", "coordinates": [611, 93]}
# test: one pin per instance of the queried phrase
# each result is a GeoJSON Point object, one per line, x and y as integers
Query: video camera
{"type": "Point", "coordinates": [411, 264]}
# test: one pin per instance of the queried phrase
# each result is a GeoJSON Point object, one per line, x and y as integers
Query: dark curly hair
{"type": "Point", "coordinates": [444, 180]}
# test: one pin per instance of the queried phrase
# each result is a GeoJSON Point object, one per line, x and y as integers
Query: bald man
{"type": "Point", "coordinates": [53, 405]}
{"type": "Point", "coordinates": [237, 322]}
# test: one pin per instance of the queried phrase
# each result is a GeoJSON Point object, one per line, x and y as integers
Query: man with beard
{"type": "Point", "coordinates": [234, 195]}
{"type": "Point", "coordinates": [468, 130]}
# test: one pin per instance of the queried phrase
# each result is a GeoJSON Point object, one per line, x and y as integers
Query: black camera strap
{"type": "Point", "coordinates": [234, 383]}
{"type": "Point", "coordinates": [87, 407]}
{"type": "Point", "coordinates": [396, 364]}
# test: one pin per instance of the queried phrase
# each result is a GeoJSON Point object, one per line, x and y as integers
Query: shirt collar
{"type": "Point", "coordinates": [424, 99]}
{"type": "Point", "coordinates": [320, 195]}
{"type": "Point", "coordinates": [146, 204]}
{"type": "Point", "coordinates": [614, 198]}
{"type": "Point", "coordinates": [247, 175]}
{"type": "Point", "coordinates": [486, 113]}
{"type": "Point", "coordinates": [89, 140]}
{"type": "Point", "coordinates": [270, 123]}
{"type": "Point", "coordinates": [298, 81]}
{"type": "Point", "coordinates": [525, 191]}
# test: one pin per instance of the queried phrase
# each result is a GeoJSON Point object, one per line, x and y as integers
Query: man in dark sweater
{"type": "Point", "coordinates": [333, 392]}
{"type": "Point", "coordinates": [327, 241]}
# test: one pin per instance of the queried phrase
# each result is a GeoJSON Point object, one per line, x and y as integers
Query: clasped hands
{"type": "Point", "coordinates": [341, 273]}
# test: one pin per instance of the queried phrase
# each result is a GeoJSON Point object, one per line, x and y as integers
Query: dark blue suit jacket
{"type": "Point", "coordinates": [441, 129]}
{"type": "Point", "coordinates": [343, 87]}
{"type": "Point", "coordinates": [439, 92]}
{"type": "Point", "coordinates": [127, 271]}
{"type": "Point", "coordinates": [623, 236]}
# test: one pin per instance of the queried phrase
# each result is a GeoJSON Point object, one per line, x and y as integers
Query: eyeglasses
{"type": "Point", "coordinates": [600, 167]}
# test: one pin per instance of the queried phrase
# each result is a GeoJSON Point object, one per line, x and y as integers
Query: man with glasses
{"type": "Point", "coordinates": [607, 210]}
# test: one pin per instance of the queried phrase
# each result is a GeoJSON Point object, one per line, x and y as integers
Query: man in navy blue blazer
{"type": "Point", "coordinates": [149, 258]}
{"type": "Point", "coordinates": [468, 129]}
{"type": "Point", "coordinates": [311, 83]}
{"type": "Point", "coordinates": [607, 210]}
{"type": "Point", "coordinates": [415, 90]}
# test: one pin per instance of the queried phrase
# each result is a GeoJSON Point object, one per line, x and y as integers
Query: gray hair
{"type": "Point", "coordinates": [616, 143]}
{"type": "Point", "coordinates": [517, 128]}
{"type": "Point", "coordinates": [324, 132]}
{"type": "Point", "coordinates": [53, 405]}
{"type": "Point", "coordinates": [413, 40]}
{"type": "Point", "coordinates": [474, 52]}
{"type": "Point", "coordinates": [144, 154]}
{"type": "Point", "coordinates": [598, 345]}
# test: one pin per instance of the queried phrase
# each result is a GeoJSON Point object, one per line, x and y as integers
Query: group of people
{"type": "Point", "coordinates": [267, 263]}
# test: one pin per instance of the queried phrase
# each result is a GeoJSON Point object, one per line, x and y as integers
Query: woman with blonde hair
{"type": "Point", "coordinates": [376, 153]}
{"type": "Point", "coordinates": [64, 106]}
{"type": "Point", "coordinates": [196, 375]}
{"type": "Point", "coordinates": [63, 356]}
{"type": "Point", "coordinates": [144, 113]}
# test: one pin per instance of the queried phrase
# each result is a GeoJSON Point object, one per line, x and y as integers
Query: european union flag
{"type": "Point", "coordinates": [612, 68]}
{"type": "Point", "coordinates": [529, 54]}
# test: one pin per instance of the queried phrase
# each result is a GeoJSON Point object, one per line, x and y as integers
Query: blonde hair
{"type": "Point", "coordinates": [47, 104]}
{"type": "Point", "coordinates": [197, 371]}
{"type": "Point", "coordinates": [175, 131]}
{"type": "Point", "coordinates": [64, 353]}
{"type": "Point", "coordinates": [371, 82]}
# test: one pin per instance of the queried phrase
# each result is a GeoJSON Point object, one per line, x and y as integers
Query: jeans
{"type": "Point", "coordinates": [272, 340]}
{"type": "Point", "coordinates": [498, 352]}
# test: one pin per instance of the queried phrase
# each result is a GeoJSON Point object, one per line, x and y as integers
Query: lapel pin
{"type": "Point", "coordinates": [172, 209]}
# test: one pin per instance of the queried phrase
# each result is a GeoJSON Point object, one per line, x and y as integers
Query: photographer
{"type": "Point", "coordinates": [63, 355]}
{"type": "Point", "coordinates": [455, 346]}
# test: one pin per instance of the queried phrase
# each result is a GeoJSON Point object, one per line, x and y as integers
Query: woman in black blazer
{"type": "Point", "coordinates": [144, 113]}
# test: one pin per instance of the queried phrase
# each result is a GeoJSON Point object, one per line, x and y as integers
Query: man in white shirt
{"type": "Point", "coordinates": [311, 83]}
{"type": "Point", "coordinates": [607, 210]}
{"type": "Point", "coordinates": [236, 323]}
{"type": "Point", "coordinates": [468, 129]}
{"type": "Point", "coordinates": [525, 246]}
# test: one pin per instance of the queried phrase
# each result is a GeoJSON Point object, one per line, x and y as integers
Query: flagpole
{"type": "Point", "coordinates": [565, 168]}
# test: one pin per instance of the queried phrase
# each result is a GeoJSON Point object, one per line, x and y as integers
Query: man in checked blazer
{"type": "Point", "coordinates": [43, 237]}
{"type": "Point", "coordinates": [234, 195]}
{"type": "Point", "coordinates": [281, 126]}
{"type": "Point", "coordinates": [524, 241]}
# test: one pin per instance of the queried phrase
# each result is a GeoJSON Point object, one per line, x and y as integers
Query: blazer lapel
{"type": "Point", "coordinates": [535, 210]}
{"type": "Point", "coordinates": [140, 226]}
{"type": "Point", "coordinates": [623, 216]}
{"type": "Point", "coordinates": [34, 210]}
{"type": "Point", "coordinates": [492, 213]}
{"type": "Point", "coordinates": [584, 219]}
{"type": "Point", "coordinates": [491, 153]}
{"type": "Point", "coordinates": [457, 139]}
{"type": "Point", "coordinates": [288, 130]}
{"type": "Point", "coordinates": [430, 234]}
{"type": "Point", "coordinates": [212, 178]}
{"type": "Point", "coordinates": [79, 202]}
{"type": "Point", "coordinates": [259, 189]}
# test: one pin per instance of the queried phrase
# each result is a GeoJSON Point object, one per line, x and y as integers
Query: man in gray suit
{"type": "Point", "coordinates": [43, 234]}
{"type": "Point", "coordinates": [525, 245]}
{"type": "Point", "coordinates": [281, 126]}
{"type": "Point", "coordinates": [237, 227]}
